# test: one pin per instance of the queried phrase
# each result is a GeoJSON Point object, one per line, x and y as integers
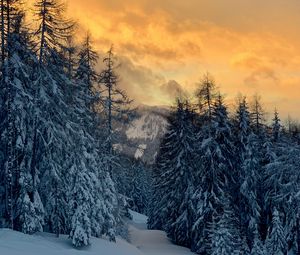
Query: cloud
{"type": "Point", "coordinates": [261, 68]}
{"type": "Point", "coordinates": [260, 75]}
{"type": "Point", "coordinates": [146, 86]}
{"type": "Point", "coordinates": [140, 82]}
{"type": "Point", "coordinates": [249, 46]}
{"type": "Point", "coordinates": [172, 90]}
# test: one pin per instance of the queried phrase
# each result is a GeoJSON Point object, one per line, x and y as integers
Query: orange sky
{"type": "Point", "coordinates": [249, 46]}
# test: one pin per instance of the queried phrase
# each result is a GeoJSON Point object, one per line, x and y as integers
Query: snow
{"type": "Point", "coordinates": [148, 127]}
{"type": "Point", "coordinates": [15, 243]}
{"type": "Point", "coordinates": [143, 242]}
{"type": "Point", "coordinates": [140, 151]}
{"type": "Point", "coordinates": [152, 242]}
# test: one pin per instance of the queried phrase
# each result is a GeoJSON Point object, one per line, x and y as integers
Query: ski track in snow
{"type": "Point", "coordinates": [143, 242]}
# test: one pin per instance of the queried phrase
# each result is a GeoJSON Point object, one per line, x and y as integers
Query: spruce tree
{"type": "Point", "coordinates": [276, 242]}
{"type": "Point", "coordinates": [206, 95]}
{"type": "Point", "coordinates": [115, 102]}
{"type": "Point", "coordinates": [276, 127]}
{"type": "Point", "coordinates": [175, 181]}
{"type": "Point", "coordinates": [258, 246]}
{"type": "Point", "coordinates": [216, 163]}
{"type": "Point", "coordinates": [86, 73]}
{"type": "Point", "coordinates": [223, 234]}
{"type": "Point", "coordinates": [29, 208]}
{"type": "Point", "coordinates": [139, 191]}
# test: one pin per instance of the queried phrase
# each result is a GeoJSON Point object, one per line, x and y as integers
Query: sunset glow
{"type": "Point", "coordinates": [248, 46]}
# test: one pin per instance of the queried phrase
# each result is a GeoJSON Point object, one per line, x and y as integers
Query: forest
{"type": "Point", "coordinates": [225, 180]}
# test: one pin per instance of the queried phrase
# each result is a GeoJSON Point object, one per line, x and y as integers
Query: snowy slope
{"type": "Point", "coordinates": [146, 131]}
{"type": "Point", "coordinates": [15, 243]}
{"type": "Point", "coordinates": [143, 242]}
{"type": "Point", "coordinates": [148, 127]}
{"type": "Point", "coordinates": [152, 242]}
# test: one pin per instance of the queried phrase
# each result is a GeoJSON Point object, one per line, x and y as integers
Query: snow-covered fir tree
{"type": "Point", "coordinates": [223, 233]}
{"type": "Point", "coordinates": [216, 165]}
{"type": "Point", "coordinates": [276, 242]}
{"type": "Point", "coordinates": [176, 179]}
{"type": "Point", "coordinates": [258, 248]}
{"type": "Point", "coordinates": [276, 126]}
{"type": "Point", "coordinates": [139, 187]}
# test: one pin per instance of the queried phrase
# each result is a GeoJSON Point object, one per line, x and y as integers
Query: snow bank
{"type": "Point", "coordinates": [143, 242]}
{"type": "Point", "coordinates": [15, 243]}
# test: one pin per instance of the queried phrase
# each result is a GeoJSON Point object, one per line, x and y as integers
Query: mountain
{"type": "Point", "coordinates": [141, 137]}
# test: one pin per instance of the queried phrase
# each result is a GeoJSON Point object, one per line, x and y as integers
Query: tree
{"type": "Point", "coordinates": [80, 203]}
{"type": "Point", "coordinates": [223, 234]}
{"type": "Point", "coordinates": [51, 112]}
{"type": "Point", "coordinates": [157, 208]}
{"type": "Point", "coordinates": [276, 127]}
{"type": "Point", "coordinates": [206, 95]}
{"type": "Point", "coordinates": [17, 71]}
{"type": "Point", "coordinates": [8, 120]}
{"type": "Point", "coordinates": [139, 191]}
{"type": "Point", "coordinates": [257, 113]}
{"type": "Point", "coordinates": [282, 183]}
{"type": "Point", "coordinates": [54, 30]}
{"type": "Point", "coordinates": [29, 209]}
{"type": "Point", "coordinates": [114, 101]}
{"type": "Point", "coordinates": [175, 181]}
{"type": "Point", "coordinates": [276, 242]}
{"type": "Point", "coordinates": [250, 209]}
{"type": "Point", "coordinates": [86, 73]}
{"type": "Point", "coordinates": [216, 162]}
{"type": "Point", "coordinates": [180, 177]}
{"type": "Point", "coordinates": [258, 246]}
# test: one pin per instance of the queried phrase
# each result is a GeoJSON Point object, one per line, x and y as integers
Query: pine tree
{"type": "Point", "coordinates": [215, 169]}
{"type": "Point", "coordinates": [282, 183]}
{"type": "Point", "coordinates": [80, 204]}
{"type": "Point", "coordinates": [276, 242]}
{"type": "Point", "coordinates": [114, 101]}
{"type": "Point", "coordinates": [29, 208]}
{"type": "Point", "coordinates": [18, 61]}
{"type": "Point", "coordinates": [276, 126]}
{"type": "Point", "coordinates": [258, 246]}
{"type": "Point", "coordinates": [8, 120]}
{"type": "Point", "coordinates": [206, 96]}
{"type": "Point", "coordinates": [250, 210]}
{"type": "Point", "coordinates": [53, 30]}
{"type": "Point", "coordinates": [49, 141]}
{"type": "Point", "coordinates": [86, 73]}
{"type": "Point", "coordinates": [223, 234]}
{"type": "Point", "coordinates": [176, 179]}
{"type": "Point", "coordinates": [157, 208]}
{"type": "Point", "coordinates": [257, 114]}
{"type": "Point", "coordinates": [139, 192]}
{"type": "Point", "coordinates": [103, 205]}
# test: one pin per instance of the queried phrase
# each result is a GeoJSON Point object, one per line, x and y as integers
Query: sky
{"type": "Point", "coordinates": [165, 46]}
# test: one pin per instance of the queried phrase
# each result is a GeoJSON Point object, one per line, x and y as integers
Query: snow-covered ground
{"type": "Point", "coordinates": [152, 242]}
{"type": "Point", "coordinates": [143, 242]}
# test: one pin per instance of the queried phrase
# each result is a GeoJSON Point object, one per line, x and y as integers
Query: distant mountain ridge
{"type": "Point", "coordinates": [142, 136]}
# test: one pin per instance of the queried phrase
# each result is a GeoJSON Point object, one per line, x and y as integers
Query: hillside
{"type": "Point", "coordinates": [143, 242]}
{"type": "Point", "coordinates": [141, 137]}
